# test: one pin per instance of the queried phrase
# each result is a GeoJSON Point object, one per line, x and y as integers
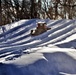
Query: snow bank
{"type": "Point", "coordinates": [51, 53]}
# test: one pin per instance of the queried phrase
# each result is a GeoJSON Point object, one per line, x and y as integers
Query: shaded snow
{"type": "Point", "coordinates": [51, 53]}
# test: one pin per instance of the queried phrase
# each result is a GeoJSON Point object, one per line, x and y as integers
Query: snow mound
{"type": "Point", "coordinates": [51, 53]}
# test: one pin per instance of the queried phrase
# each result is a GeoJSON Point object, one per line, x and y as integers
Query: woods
{"type": "Point", "coordinates": [14, 10]}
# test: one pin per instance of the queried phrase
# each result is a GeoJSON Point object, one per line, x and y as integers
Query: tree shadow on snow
{"type": "Point", "coordinates": [67, 44]}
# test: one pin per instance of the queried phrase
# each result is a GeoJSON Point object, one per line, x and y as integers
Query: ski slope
{"type": "Point", "coordinates": [22, 52]}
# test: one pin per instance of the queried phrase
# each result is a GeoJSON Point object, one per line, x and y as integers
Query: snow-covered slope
{"type": "Point", "coordinates": [51, 53]}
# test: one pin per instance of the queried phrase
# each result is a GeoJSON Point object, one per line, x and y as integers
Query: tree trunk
{"type": "Point", "coordinates": [32, 8]}
{"type": "Point", "coordinates": [0, 13]}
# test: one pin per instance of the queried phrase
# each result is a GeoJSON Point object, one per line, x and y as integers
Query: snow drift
{"type": "Point", "coordinates": [51, 53]}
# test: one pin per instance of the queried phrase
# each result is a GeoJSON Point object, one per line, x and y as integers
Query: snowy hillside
{"type": "Point", "coordinates": [51, 53]}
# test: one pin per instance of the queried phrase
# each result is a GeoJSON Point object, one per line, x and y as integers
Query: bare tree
{"type": "Point", "coordinates": [61, 9]}
{"type": "Point", "coordinates": [12, 10]}
{"type": "Point", "coordinates": [0, 13]}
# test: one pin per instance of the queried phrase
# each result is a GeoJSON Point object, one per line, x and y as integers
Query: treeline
{"type": "Point", "coordinates": [13, 10]}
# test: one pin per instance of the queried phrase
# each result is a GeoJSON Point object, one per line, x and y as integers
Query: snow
{"type": "Point", "coordinates": [51, 53]}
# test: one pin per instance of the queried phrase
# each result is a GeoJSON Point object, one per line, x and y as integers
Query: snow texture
{"type": "Point", "coordinates": [51, 53]}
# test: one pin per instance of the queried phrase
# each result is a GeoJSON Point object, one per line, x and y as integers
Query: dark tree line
{"type": "Point", "coordinates": [13, 10]}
